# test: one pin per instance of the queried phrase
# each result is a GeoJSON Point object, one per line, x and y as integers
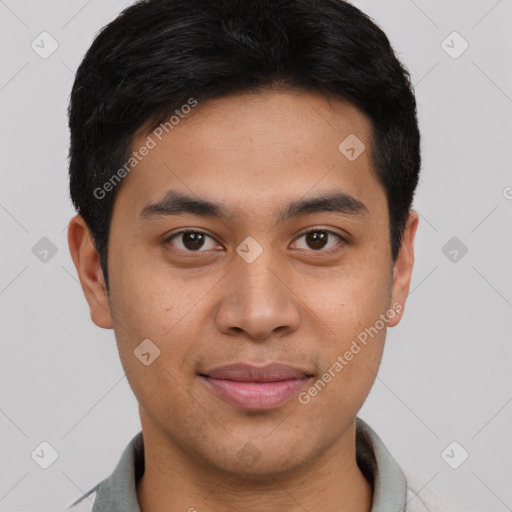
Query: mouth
{"type": "Point", "coordinates": [256, 388]}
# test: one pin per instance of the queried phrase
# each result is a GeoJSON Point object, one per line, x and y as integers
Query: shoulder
{"type": "Point", "coordinates": [422, 499]}
{"type": "Point", "coordinates": [415, 503]}
{"type": "Point", "coordinates": [85, 503]}
{"type": "Point", "coordinates": [117, 493]}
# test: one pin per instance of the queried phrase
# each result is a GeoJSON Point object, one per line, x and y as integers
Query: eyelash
{"type": "Point", "coordinates": [328, 251]}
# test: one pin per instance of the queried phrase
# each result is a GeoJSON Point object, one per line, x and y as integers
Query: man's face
{"type": "Point", "coordinates": [258, 287]}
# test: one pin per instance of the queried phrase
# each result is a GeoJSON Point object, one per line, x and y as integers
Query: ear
{"type": "Point", "coordinates": [87, 263]}
{"type": "Point", "coordinates": [402, 269]}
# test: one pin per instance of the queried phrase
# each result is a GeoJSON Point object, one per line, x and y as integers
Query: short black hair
{"type": "Point", "coordinates": [158, 54]}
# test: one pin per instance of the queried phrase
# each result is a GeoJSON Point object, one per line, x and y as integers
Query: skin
{"type": "Point", "coordinates": [296, 303]}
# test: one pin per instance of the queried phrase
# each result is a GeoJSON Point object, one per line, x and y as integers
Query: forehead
{"type": "Point", "coordinates": [250, 150]}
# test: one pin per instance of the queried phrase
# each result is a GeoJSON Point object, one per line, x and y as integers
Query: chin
{"type": "Point", "coordinates": [261, 460]}
{"type": "Point", "coordinates": [264, 470]}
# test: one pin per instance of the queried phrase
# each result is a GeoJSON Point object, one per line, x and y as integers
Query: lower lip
{"type": "Point", "coordinates": [255, 395]}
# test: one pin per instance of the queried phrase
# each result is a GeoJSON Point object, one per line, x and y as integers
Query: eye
{"type": "Point", "coordinates": [192, 240]}
{"type": "Point", "coordinates": [318, 239]}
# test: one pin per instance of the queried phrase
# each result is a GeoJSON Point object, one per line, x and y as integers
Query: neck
{"type": "Point", "coordinates": [173, 481]}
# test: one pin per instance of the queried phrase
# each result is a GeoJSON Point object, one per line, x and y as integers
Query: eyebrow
{"type": "Point", "coordinates": [178, 203]}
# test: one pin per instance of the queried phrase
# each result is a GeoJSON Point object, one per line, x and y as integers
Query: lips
{"type": "Point", "coordinates": [253, 387]}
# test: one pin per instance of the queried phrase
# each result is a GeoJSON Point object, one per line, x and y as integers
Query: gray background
{"type": "Point", "coordinates": [446, 373]}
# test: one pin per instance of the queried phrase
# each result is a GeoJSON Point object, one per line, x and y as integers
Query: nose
{"type": "Point", "coordinates": [258, 300]}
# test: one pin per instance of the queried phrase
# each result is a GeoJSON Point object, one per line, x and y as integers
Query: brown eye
{"type": "Point", "coordinates": [192, 241]}
{"type": "Point", "coordinates": [319, 239]}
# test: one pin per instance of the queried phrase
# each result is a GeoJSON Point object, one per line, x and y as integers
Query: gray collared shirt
{"type": "Point", "coordinates": [117, 493]}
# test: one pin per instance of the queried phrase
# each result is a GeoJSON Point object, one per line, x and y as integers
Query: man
{"type": "Point", "coordinates": [243, 174]}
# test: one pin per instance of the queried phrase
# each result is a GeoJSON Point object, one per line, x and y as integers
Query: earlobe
{"type": "Point", "coordinates": [90, 273]}
{"type": "Point", "coordinates": [402, 269]}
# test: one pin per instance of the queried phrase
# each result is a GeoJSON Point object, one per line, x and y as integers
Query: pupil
{"type": "Point", "coordinates": [317, 239]}
{"type": "Point", "coordinates": [193, 241]}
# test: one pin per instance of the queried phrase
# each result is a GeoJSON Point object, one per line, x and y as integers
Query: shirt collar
{"type": "Point", "coordinates": [118, 492]}
{"type": "Point", "coordinates": [378, 466]}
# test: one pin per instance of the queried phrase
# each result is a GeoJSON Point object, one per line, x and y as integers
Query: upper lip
{"type": "Point", "coordinates": [243, 372]}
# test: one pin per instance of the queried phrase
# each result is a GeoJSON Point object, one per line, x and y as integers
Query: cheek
{"type": "Point", "coordinates": [151, 307]}
{"type": "Point", "coordinates": [154, 299]}
{"type": "Point", "coordinates": [149, 304]}
{"type": "Point", "coordinates": [350, 363]}
{"type": "Point", "coordinates": [352, 300]}
{"type": "Point", "coordinates": [351, 307]}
